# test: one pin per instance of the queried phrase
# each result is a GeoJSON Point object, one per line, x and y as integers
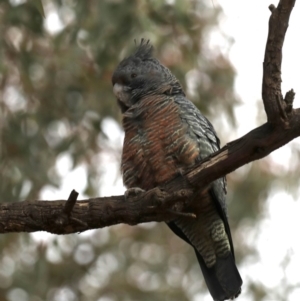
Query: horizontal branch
{"type": "Point", "coordinates": [51, 216]}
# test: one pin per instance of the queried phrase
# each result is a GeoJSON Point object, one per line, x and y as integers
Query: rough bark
{"type": "Point", "coordinates": [163, 203]}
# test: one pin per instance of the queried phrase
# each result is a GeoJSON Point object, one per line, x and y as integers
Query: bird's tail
{"type": "Point", "coordinates": [222, 278]}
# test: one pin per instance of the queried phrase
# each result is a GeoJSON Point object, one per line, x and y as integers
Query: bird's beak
{"type": "Point", "coordinates": [122, 94]}
{"type": "Point", "coordinates": [117, 89]}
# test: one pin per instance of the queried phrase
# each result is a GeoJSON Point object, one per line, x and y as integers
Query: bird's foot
{"type": "Point", "coordinates": [133, 192]}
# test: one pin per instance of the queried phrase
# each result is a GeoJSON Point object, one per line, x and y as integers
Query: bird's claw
{"type": "Point", "coordinates": [133, 192]}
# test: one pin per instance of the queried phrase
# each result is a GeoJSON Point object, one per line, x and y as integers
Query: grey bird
{"type": "Point", "coordinates": [165, 134]}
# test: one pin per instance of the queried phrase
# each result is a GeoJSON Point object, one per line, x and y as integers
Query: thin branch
{"type": "Point", "coordinates": [166, 202]}
{"type": "Point", "coordinates": [275, 107]}
{"type": "Point", "coordinates": [31, 216]}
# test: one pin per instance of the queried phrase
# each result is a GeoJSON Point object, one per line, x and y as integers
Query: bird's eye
{"type": "Point", "coordinates": [133, 75]}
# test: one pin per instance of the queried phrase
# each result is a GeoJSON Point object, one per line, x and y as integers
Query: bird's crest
{"type": "Point", "coordinates": [144, 50]}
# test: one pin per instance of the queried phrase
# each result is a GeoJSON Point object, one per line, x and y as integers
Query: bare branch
{"type": "Point", "coordinates": [31, 216]}
{"type": "Point", "coordinates": [275, 107]}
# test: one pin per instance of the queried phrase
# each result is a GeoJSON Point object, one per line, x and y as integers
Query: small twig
{"type": "Point", "coordinates": [70, 202]}
{"type": "Point", "coordinates": [65, 218]}
{"type": "Point", "coordinates": [289, 99]}
{"type": "Point", "coordinates": [272, 7]}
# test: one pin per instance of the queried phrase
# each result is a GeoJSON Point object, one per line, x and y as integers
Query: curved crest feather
{"type": "Point", "coordinates": [144, 50]}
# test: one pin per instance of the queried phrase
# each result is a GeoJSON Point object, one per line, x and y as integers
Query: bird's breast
{"type": "Point", "coordinates": [156, 145]}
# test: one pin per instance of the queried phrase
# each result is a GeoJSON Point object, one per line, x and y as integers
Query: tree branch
{"type": "Point", "coordinates": [275, 106]}
{"type": "Point", "coordinates": [164, 203]}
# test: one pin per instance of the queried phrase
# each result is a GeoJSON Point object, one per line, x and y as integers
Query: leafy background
{"type": "Point", "coordinates": [58, 114]}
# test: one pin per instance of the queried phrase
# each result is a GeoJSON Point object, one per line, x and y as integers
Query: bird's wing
{"type": "Point", "coordinates": [200, 129]}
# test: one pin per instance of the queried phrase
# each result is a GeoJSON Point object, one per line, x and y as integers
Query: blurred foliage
{"type": "Point", "coordinates": [55, 75]}
{"type": "Point", "coordinates": [39, 6]}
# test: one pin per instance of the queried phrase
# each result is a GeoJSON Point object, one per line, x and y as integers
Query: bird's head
{"type": "Point", "coordinates": [141, 74]}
